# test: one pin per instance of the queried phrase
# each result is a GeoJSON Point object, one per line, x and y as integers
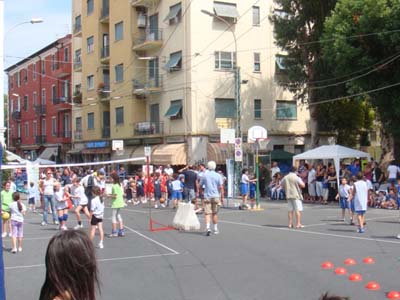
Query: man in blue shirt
{"type": "Point", "coordinates": [212, 184]}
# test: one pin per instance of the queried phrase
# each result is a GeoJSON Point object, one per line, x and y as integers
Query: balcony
{"type": "Point", "coordinates": [105, 15]}
{"type": "Point", "coordinates": [103, 90]}
{"type": "Point", "coordinates": [148, 39]}
{"type": "Point", "coordinates": [146, 3]}
{"type": "Point", "coordinates": [105, 132]}
{"type": "Point", "coordinates": [64, 134]}
{"type": "Point", "coordinates": [105, 55]}
{"type": "Point", "coordinates": [61, 100]}
{"type": "Point", "coordinates": [148, 128]}
{"type": "Point", "coordinates": [78, 135]}
{"type": "Point", "coordinates": [77, 98]}
{"type": "Point", "coordinates": [40, 110]}
{"type": "Point", "coordinates": [16, 141]}
{"type": "Point", "coordinates": [143, 87]}
{"type": "Point", "coordinates": [40, 139]}
{"type": "Point", "coordinates": [78, 29]}
{"type": "Point", "coordinates": [77, 65]}
{"type": "Point", "coordinates": [16, 116]}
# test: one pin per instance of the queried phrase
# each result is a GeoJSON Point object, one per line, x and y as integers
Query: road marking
{"type": "Point", "coordinates": [151, 240]}
{"type": "Point", "coordinates": [341, 222]}
{"type": "Point", "coordinates": [312, 232]}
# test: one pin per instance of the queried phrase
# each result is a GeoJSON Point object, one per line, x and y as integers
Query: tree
{"type": "Point", "coordinates": [366, 39]}
{"type": "Point", "coordinates": [298, 27]}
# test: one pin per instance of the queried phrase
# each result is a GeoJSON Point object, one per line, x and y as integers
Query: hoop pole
{"type": "Point", "coordinates": [147, 190]}
{"type": "Point", "coordinates": [258, 180]}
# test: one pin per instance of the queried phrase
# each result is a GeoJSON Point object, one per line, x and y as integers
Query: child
{"type": "Point", "coordinates": [177, 187]}
{"type": "Point", "coordinates": [381, 198]}
{"type": "Point", "coordinates": [253, 190]}
{"type": "Point", "coordinates": [79, 194]}
{"type": "Point", "coordinates": [117, 203]}
{"type": "Point", "coordinates": [97, 210]}
{"type": "Point", "coordinates": [18, 210]}
{"type": "Point", "coordinates": [360, 195]}
{"type": "Point", "coordinates": [33, 194]}
{"type": "Point", "coordinates": [390, 202]}
{"type": "Point", "coordinates": [140, 189]}
{"type": "Point", "coordinates": [129, 191]}
{"type": "Point", "coordinates": [343, 196]}
{"type": "Point", "coordinates": [6, 200]}
{"type": "Point", "coordinates": [61, 205]}
{"type": "Point", "coordinates": [157, 190]}
{"type": "Point", "coordinates": [169, 189]}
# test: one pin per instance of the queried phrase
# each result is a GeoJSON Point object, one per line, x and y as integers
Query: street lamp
{"type": "Point", "coordinates": [236, 70]}
{"type": "Point", "coordinates": [2, 35]}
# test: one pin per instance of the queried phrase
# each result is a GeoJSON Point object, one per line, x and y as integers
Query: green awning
{"type": "Point", "coordinates": [225, 10]}
{"type": "Point", "coordinates": [174, 60]}
{"type": "Point", "coordinates": [173, 12]}
{"type": "Point", "coordinates": [174, 109]}
{"type": "Point", "coordinates": [281, 155]}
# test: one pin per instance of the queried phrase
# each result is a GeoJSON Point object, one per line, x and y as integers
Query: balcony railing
{"type": "Point", "coordinates": [64, 134]}
{"type": "Point", "coordinates": [148, 128]}
{"type": "Point", "coordinates": [40, 139]}
{"type": "Point", "coordinates": [136, 3]}
{"type": "Point", "coordinates": [148, 39]}
{"type": "Point", "coordinates": [105, 52]}
{"type": "Point", "coordinates": [40, 110]}
{"type": "Point", "coordinates": [61, 100]}
{"type": "Point", "coordinates": [105, 132]}
{"type": "Point", "coordinates": [150, 85]}
{"type": "Point", "coordinates": [78, 134]}
{"type": "Point", "coordinates": [16, 141]}
{"type": "Point", "coordinates": [77, 64]}
{"type": "Point", "coordinates": [77, 28]}
{"type": "Point", "coordinates": [16, 115]}
{"type": "Point", "coordinates": [77, 98]}
{"type": "Point", "coordinates": [105, 14]}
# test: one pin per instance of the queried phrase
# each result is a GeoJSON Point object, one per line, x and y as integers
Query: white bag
{"type": "Point", "coordinates": [186, 218]}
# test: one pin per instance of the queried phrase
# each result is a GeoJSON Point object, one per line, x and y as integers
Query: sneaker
{"type": "Point", "coordinates": [163, 205]}
{"type": "Point", "coordinates": [14, 250]}
{"type": "Point", "coordinates": [208, 232]}
{"type": "Point", "coordinates": [9, 234]}
{"type": "Point", "coordinates": [78, 227]}
{"type": "Point", "coordinates": [64, 227]}
{"type": "Point", "coordinates": [4, 234]}
{"type": "Point", "coordinates": [398, 236]}
{"type": "Point", "coordinates": [216, 231]}
{"type": "Point", "coordinates": [121, 233]}
{"type": "Point", "coordinates": [129, 201]}
{"type": "Point", "coordinates": [113, 234]}
{"type": "Point", "coordinates": [156, 206]}
{"type": "Point", "coordinates": [20, 249]}
{"type": "Point", "coordinates": [101, 246]}
{"type": "Point", "coordinates": [56, 223]}
{"type": "Point", "coordinates": [360, 230]}
{"type": "Point", "coordinates": [44, 223]}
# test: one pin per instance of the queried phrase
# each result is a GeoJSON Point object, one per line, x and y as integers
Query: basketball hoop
{"type": "Point", "coordinates": [262, 143]}
{"type": "Point", "coordinates": [119, 151]}
{"type": "Point", "coordinates": [118, 147]}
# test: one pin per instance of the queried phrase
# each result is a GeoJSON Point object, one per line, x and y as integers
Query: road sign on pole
{"type": "Point", "coordinates": [238, 149]}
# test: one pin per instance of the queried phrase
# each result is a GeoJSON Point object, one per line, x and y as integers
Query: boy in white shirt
{"type": "Point", "coordinates": [97, 212]}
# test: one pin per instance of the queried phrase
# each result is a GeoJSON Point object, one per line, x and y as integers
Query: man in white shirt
{"type": "Point", "coordinates": [168, 170]}
{"type": "Point", "coordinates": [392, 171]}
{"type": "Point", "coordinates": [312, 182]}
{"type": "Point", "coordinates": [275, 169]}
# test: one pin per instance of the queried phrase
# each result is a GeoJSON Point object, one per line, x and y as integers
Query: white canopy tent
{"type": "Point", "coordinates": [335, 152]}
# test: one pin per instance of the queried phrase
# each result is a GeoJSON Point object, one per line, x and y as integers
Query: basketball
{"type": "Point", "coordinates": [162, 200]}
{"type": "Point", "coordinates": [5, 216]}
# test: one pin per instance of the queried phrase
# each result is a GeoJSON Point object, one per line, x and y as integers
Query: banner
{"type": "Point", "coordinates": [230, 174]}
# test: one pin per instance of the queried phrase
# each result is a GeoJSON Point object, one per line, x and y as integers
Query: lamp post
{"type": "Point", "coordinates": [2, 36]}
{"type": "Point", "coordinates": [236, 70]}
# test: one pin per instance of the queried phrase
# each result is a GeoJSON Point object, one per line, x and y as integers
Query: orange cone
{"type": "Point", "coordinates": [350, 261]}
{"type": "Point", "coordinates": [393, 295]}
{"type": "Point", "coordinates": [372, 285]}
{"type": "Point", "coordinates": [340, 271]}
{"type": "Point", "coordinates": [368, 260]}
{"type": "Point", "coordinates": [355, 277]}
{"type": "Point", "coordinates": [327, 265]}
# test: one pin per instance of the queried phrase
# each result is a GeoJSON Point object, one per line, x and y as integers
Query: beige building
{"type": "Point", "coordinates": [161, 73]}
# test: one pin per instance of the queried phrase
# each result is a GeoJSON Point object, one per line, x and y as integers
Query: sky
{"type": "Point", "coordinates": [25, 39]}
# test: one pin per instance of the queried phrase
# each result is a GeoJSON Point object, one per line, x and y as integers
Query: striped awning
{"type": "Point", "coordinates": [220, 152]}
{"type": "Point", "coordinates": [173, 154]}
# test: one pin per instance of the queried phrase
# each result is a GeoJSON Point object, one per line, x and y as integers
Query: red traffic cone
{"type": "Point", "coordinates": [350, 261]}
{"type": "Point", "coordinates": [393, 295]}
{"type": "Point", "coordinates": [340, 271]}
{"type": "Point", "coordinates": [368, 260]}
{"type": "Point", "coordinates": [372, 285]}
{"type": "Point", "coordinates": [355, 277]}
{"type": "Point", "coordinates": [327, 265]}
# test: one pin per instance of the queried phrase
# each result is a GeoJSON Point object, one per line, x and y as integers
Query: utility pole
{"type": "Point", "coordinates": [2, 127]}
{"type": "Point", "coordinates": [238, 131]}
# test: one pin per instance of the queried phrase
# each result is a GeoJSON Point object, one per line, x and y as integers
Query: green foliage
{"type": "Point", "coordinates": [366, 45]}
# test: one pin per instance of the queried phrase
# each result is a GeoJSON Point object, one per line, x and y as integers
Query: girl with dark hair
{"type": "Point", "coordinates": [117, 202]}
{"type": "Point", "coordinates": [75, 275]}
{"type": "Point", "coordinates": [18, 210]}
{"type": "Point", "coordinates": [97, 212]}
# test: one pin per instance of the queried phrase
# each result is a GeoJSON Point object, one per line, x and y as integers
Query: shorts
{"type": "Point", "coordinates": [352, 207]}
{"type": "Point", "coordinates": [176, 195]}
{"type": "Point", "coordinates": [17, 229]}
{"type": "Point", "coordinates": [94, 221]}
{"type": "Point", "coordinates": [361, 212]}
{"type": "Point", "coordinates": [319, 189]}
{"type": "Point", "coordinates": [211, 206]}
{"type": "Point", "coordinates": [31, 200]}
{"type": "Point", "coordinates": [140, 193]}
{"type": "Point", "coordinates": [295, 205]}
{"type": "Point", "coordinates": [83, 206]}
{"type": "Point", "coordinates": [190, 194]}
{"type": "Point", "coordinates": [343, 203]}
{"type": "Point", "coordinates": [244, 188]}
{"type": "Point", "coordinates": [311, 189]}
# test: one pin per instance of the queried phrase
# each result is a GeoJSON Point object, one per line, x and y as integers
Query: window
{"type": "Point", "coordinates": [11, 81]}
{"type": "Point", "coordinates": [90, 82]}
{"type": "Point", "coordinates": [26, 101]}
{"type": "Point", "coordinates": [90, 44]}
{"type": "Point", "coordinates": [256, 16]}
{"type": "Point", "coordinates": [53, 63]}
{"type": "Point", "coordinates": [90, 121]}
{"type": "Point", "coordinates": [43, 97]}
{"type": "Point", "coordinates": [19, 104]}
{"type": "Point", "coordinates": [26, 129]}
{"type": "Point", "coordinates": [66, 54]}
{"type": "Point", "coordinates": [35, 131]}
{"type": "Point", "coordinates": [78, 24]}
{"type": "Point", "coordinates": [34, 71]}
{"type": "Point", "coordinates": [279, 147]}
{"type": "Point", "coordinates": [26, 75]}
{"type": "Point", "coordinates": [119, 73]}
{"type": "Point", "coordinates": [65, 90]}
{"type": "Point", "coordinates": [18, 79]}
{"type": "Point", "coordinates": [257, 62]}
{"type": "Point", "coordinates": [119, 116]}
{"type": "Point", "coordinates": [19, 130]}
{"type": "Point", "coordinates": [34, 98]}
{"type": "Point", "coordinates": [257, 108]}
{"type": "Point", "coordinates": [54, 126]}
{"type": "Point", "coordinates": [298, 149]}
{"type": "Point", "coordinates": [78, 88]}
{"type": "Point", "coordinates": [286, 110]}
{"type": "Point", "coordinates": [175, 14]}
{"type": "Point", "coordinates": [225, 60]}
{"type": "Point", "coordinates": [53, 94]}
{"type": "Point", "coordinates": [43, 127]}
{"type": "Point", "coordinates": [43, 66]}
{"type": "Point", "coordinates": [175, 62]}
{"type": "Point", "coordinates": [119, 31]}
{"type": "Point", "coordinates": [174, 111]}
{"type": "Point", "coordinates": [78, 124]}
{"type": "Point", "coordinates": [225, 108]}
{"type": "Point", "coordinates": [226, 10]}
{"type": "Point", "coordinates": [90, 6]}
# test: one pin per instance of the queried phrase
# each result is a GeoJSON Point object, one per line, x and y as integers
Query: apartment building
{"type": "Point", "coordinates": [39, 103]}
{"type": "Point", "coordinates": [161, 73]}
